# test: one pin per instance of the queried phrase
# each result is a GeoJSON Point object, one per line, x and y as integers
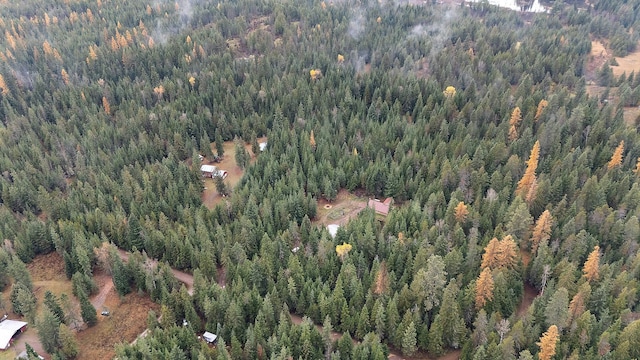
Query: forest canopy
{"type": "Point", "coordinates": [508, 177]}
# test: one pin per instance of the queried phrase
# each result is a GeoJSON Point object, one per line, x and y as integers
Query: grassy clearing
{"type": "Point", "coordinates": [210, 197]}
{"type": "Point", "coordinates": [628, 63]}
{"type": "Point", "coordinates": [340, 211]}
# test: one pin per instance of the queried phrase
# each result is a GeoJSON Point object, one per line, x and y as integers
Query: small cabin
{"type": "Point", "coordinates": [212, 172]}
{"type": "Point", "coordinates": [210, 338]}
{"type": "Point", "coordinates": [381, 207]}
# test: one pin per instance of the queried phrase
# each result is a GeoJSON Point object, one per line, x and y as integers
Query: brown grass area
{"type": "Point", "coordinates": [128, 319]}
{"type": "Point", "coordinates": [598, 56]}
{"type": "Point", "coordinates": [631, 114]}
{"type": "Point", "coordinates": [344, 208]}
{"type": "Point", "coordinates": [628, 63]}
{"type": "Point", "coordinates": [210, 197]}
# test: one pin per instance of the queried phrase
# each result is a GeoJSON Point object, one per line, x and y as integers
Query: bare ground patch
{"type": "Point", "coordinates": [210, 197]}
{"type": "Point", "coordinates": [344, 208]}
{"type": "Point", "coordinates": [628, 63]}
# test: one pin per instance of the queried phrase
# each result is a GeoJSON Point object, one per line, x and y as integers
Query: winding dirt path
{"type": "Point", "coordinates": [101, 297]}
{"type": "Point", "coordinates": [181, 276]}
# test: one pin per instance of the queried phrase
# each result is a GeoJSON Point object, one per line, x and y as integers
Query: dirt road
{"type": "Point", "coordinates": [181, 276]}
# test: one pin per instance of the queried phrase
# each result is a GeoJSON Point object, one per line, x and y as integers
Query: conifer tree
{"type": "Point", "coordinates": [547, 343]}
{"type": "Point", "coordinates": [541, 105]}
{"type": "Point", "coordinates": [461, 212]}
{"type": "Point", "coordinates": [484, 288]}
{"type": "Point", "coordinates": [514, 122]}
{"type": "Point", "coordinates": [52, 304]}
{"type": "Point", "coordinates": [490, 256]}
{"type": "Point", "coordinates": [507, 255]}
{"type": "Point", "coordinates": [616, 158]}
{"type": "Point", "coordinates": [87, 311]}
{"type": "Point", "coordinates": [592, 265]}
{"type": "Point", "coordinates": [529, 176]}
{"type": "Point", "coordinates": [542, 230]}
{"type": "Point", "coordinates": [409, 340]}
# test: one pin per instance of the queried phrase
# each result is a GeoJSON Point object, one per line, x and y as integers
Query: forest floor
{"type": "Point", "coordinates": [345, 207]}
{"type": "Point", "coordinates": [210, 197]}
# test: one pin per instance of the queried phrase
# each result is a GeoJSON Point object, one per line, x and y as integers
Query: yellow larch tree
{"type": "Point", "coordinates": [530, 173]}
{"type": "Point", "coordinates": [541, 230]}
{"type": "Point", "coordinates": [105, 105]}
{"type": "Point", "coordinates": [637, 169]}
{"type": "Point", "coordinates": [484, 288]}
{"type": "Point", "coordinates": [514, 122]}
{"type": "Point", "coordinates": [592, 265]}
{"type": "Point", "coordinates": [541, 105]}
{"type": "Point", "coordinates": [192, 81]}
{"type": "Point", "coordinates": [490, 256]}
{"type": "Point", "coordinates": [340, 59]}
{"type": "Point", "coordinates": [312, 140]}
{"type": "Point", "coordinates": [461, 212]}
{"type": "Point", "coordinates": [507, 255]}
{"type": "Point", "coordinates": [3, 86]}
{"type": "Point", "coordinates": [548, 342]}
{"type": "Point", "coordinates": [65, 76]}
{"type": "Point", "coordinates": [616, 158]}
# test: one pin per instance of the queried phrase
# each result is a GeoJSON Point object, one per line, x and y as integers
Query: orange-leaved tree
{"type": "Point", "coordinates": [542, 230]}
{"type": "Point", "coordinates": [484, 288]}
{"type": "Point", "coordinates": [592, 265]}
{"type": "Point", "coordinates": [529, 177]}
{"type": "Point", "coordinates": [548, 342]}
{"type": "Point", "coordinates": [541, 105]}
{"type": "Point", "coordinates": [461, 212]}
{"type": "Point", "coordinates": [616, 158]}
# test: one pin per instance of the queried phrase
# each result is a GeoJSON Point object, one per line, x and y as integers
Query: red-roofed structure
{"type": "Point", "coordinates": [381, 207]}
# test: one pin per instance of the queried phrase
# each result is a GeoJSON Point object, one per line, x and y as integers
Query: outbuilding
{"type": "Point", "coordinates": [210, 338]}
{"type": "Point", "coordinates": [9, 329]}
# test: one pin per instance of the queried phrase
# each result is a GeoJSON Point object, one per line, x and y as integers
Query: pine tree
{"type": "Point", "coordinates": [87, 311]}
{"type": "Point", "coordinates": [616, 158]}
{"type": "Point", "coordinates": [541, 105]}
{"type": "Point", "coordinates": [461, 212]}
{"type": "Point", "coordinates": [52, 304]}
{"type": "Point", "coordinates": [557, 309]}
{"type": "Point", "coordinates": [530, 173]}
{"type": "Point", "coordinates": [547, 343]}
{"type": "Point", "coordinates": [592, 265]}
{"type": "Point", "coordinates": [68, 343]}
{"type": "Point", "coordinates": [48, 331]}
{"type": "Point", "coordinates": [542, 230]}
{"type": "Point", "coordinates": [409, 340]}
{"type": "Point", "coordinates": [219, 144]}
{"type": "Point", "coordinates": [484, 288]}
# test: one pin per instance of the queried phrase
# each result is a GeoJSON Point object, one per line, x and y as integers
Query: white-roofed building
{"type": "Point", "coordinates": [209, 337]}
{"type": "Point", "coordinates": [8, 330]}
{"type": "Point", "coordinates": [333, 229]}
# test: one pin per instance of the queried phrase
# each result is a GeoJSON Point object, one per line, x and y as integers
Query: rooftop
{"type": "Point", "coordinates": [8, 329]}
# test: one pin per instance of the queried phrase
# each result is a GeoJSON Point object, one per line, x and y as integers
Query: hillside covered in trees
{"type": "Point", "coordinates": [507, 175]}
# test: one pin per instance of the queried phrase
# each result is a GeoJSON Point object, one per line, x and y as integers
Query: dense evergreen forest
{"type": "Point", "coordinates": [505, 173]}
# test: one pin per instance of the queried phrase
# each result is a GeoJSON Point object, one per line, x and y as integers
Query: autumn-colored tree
{"type": "Point", "coordinates": [507, 255]}
{"type": "Point", "coordinates": [576, 307]}
{"type": "Point", "coordinates": [489, 258]}
{"type": "Point", "coordinates": [616, 158]}
{"type": "Point", "coordinates": [340, 59]}
{"type": "Point", "coordinates": [382, 280]}
{"type": "Point", "coordinates": [542, 230]}
{"type": "Point", "coordinates": [529, 177]}
{"type": "Point", "coordinates": [449, 92]}
{"type": "Point", "coordinates": [3, 86]}
{"type": "Point", "coordinates": [484, 288]}
{"type": "Point", "coordinates": [106, 105]}
{"type": "Point", "coordinates": [513, 133]}
{"type": "Point", "coordinates": [541, 105]}
{"type": "Point", "coordinates": [592, 265]}
{"type": "Point", "coordinates": [192, 81]}
{"type": "Point", "coordinates": [65, 76]}
{"type": "Point", "coordinates": [312, 140]}
{"type": "Point", "coordinates": [547, 343]}
{"type": "Point", "coordinates": [315, 74]}
{"type": "Point", "coordinates": [343, 250]}
{"type": "Point", "coordinates": [461, 212]}
{"type": "Point", "coordinates": [516, 117]}
{"type": "Point", "coordinates": [637, 169]}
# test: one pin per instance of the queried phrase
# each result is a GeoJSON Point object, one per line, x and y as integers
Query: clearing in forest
{"type": "Point", "coordinates": [345, 207]}
{"type": "Point", "coordinates": [628, 64]}
{"type": "Point", "coordinates": [126, 320]}
{"type": "Point", "coordinates": [210, 196]}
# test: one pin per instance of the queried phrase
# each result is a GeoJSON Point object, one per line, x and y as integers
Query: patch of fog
{"type": "Point", "coordinates": [164, 29]}
{"type": "Point", "coordinates": [356, 24]}
{"type": "Point", "coordinates": [439, 31]}
{"type": "Point", "coordinates": [535, 7]}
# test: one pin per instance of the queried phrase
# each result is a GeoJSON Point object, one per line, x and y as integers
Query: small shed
{"type": "Point", "coordinates": [262, 146]}
{"type": "Point", "coordinates": [208, 170]}
{"type": "Point", "coordinates": [209, 337]}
